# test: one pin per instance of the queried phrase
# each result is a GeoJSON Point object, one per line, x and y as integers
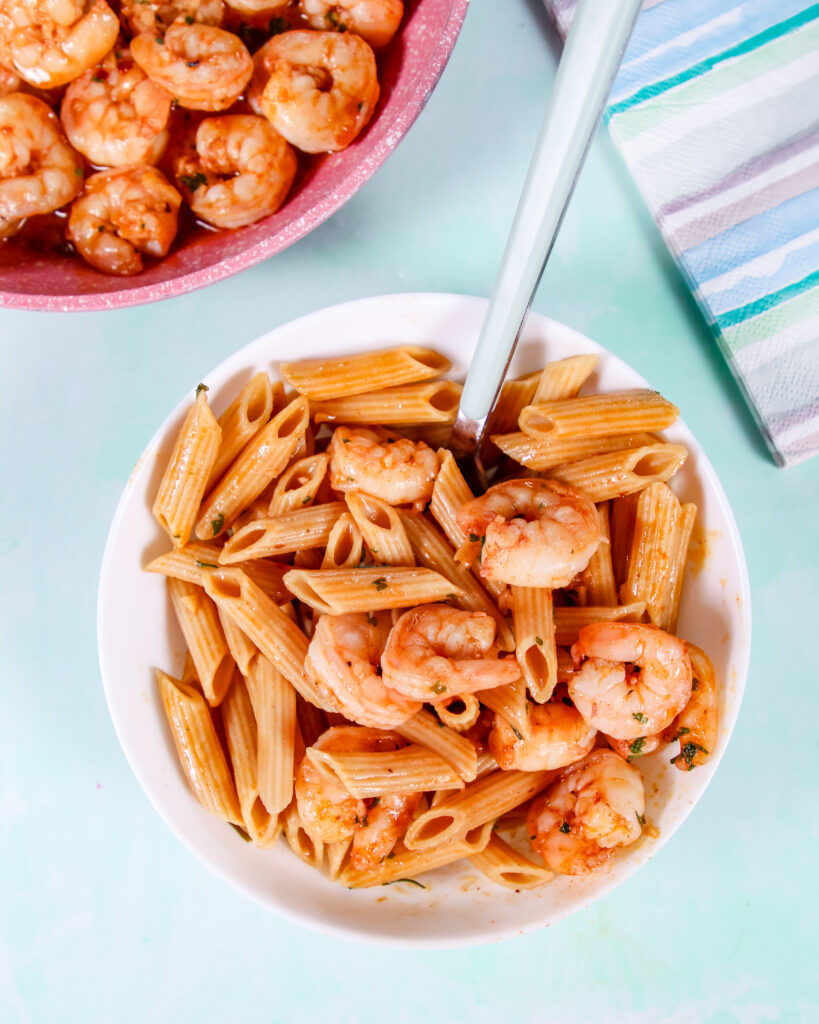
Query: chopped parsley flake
{"type": "Point", "coordinates": [636, 747]}
{"type": "Point", "coordinates": [201, 387]}
{"type": "Point", "coordinates": [695, 685]}
{"type": "Point", "coordinates": [565, 828]}
{"type": "Point", "coordinates": [474, 538]}
{"type": "Point", "coordinates": [438, 687]}
{"type": "Point", "coordinates": [380, 583]}
{"type": "Point", "coordinates": [514, 730]}
{"type": "Point", "coordinates": [188, 20]}
{"type": "Point", "coordinates": [641, 818]}
{"type": "Point", "coordinates": [241, 831]}
{"type": "Point", "coordinates": [206, 565]}
{"type": "Point", "coordinates": [193, 181]}
{"type": "Point", "coordinates": [688, 753]}
{"type": "Point", "coordinates": [411, 881]}
{"type": "Point", "coordinates": [217, 523]}
{"type": "Point", "coordinates": [538, 641]}
{"type": "Point", "coordinates": [641, 718]}
{"type": "Point", "coordinates": [373, 621]}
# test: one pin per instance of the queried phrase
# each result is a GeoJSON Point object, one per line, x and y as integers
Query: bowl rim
{"type": "Point", "coordinates": [358, 932]}
{"type": "Point", "coordinates": [292, 232]}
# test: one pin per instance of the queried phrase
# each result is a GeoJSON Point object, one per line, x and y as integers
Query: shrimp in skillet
{"type": "Point", "coordinates": [240, 170]}
{"type": "Point", "coordinates": [382, 464]}
{"type": "Point", "coordinates": [330, 814]}
{"type": "Point", "coordinates": [376, 21]}
{"type": "Point", "coordinates": [202, 67]}
{"type": "Point", "coordinates": [630, 679]}
{"type": "Point", "coordinates": [322, 88]}
{"type": "Point", "coordinates": [559, 737]}
{"type": "Point", "coordinates": [51, 42]}
{"type": "Point", "coordinates": [115, 115]}
{"type": "Point", "coordinates": [343, 660]}
{"type": "Point", "coordinates": [434, 652]}
{"type": "Point", "coordinates": [536, 533]}
{"type": "Point", "coordinates": [122, 214]}
{"type": "Point", "coordinates": [39, 171]}
{"type": "Point", "coordinates": [592, 808]}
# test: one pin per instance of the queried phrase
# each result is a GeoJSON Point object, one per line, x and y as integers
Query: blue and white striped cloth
{"type": "Point", "coordinates": [716, 111]}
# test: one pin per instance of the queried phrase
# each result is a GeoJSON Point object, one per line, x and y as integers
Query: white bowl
{"type": "Point", "coordinates": [136, 632]}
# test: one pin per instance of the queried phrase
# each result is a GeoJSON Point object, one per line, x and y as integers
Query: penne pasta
{"type": "Point", "coordinates": [459, 713]}
{"type": "Point", "coordinates": [564, 378]}
{"type": "Point", "coordinates": [335, 855]}
{"type": "Point", "coordinates": [533, 616]}
{"type": "Point", "coordinates": [187, 563]}
{"type": "Point", "coordinates": [274, 706]}
{"type": "Point", "coordinates": [540, 455]}
{"type": "Point", "coordinates": [344, 545]}
{"type": "Point", "coordinates": [436, 402]}
{"type": "Point", "coordinates": [311, 721]}
{"type": "Point", "coordinates": [621, 412]}
{"type": "Point", "coordinates": [514, 396]}
{"type": "Point", "coordinates": [303, 530]}
{"type": "Point", "coordinates": [598, 576]}
{"type": "Point", "coordinates": [479, 803]}
{"type": "Point", "coordinates": [322, 379]}
{"type": "Point", "coordinates": [411, 769]}
{"type": "Point", "coordinates": [199, 621]}
{"type": "Point", "coordinates": [502, 863]}
{"type": "Point", "coordinates": [617, 473]}
{"type": "Point", "coordinates": [241, 647]}
{"type": "Point", "coordinates": [621, 524]}
{"type": "Point", "coordinates": [311, 851]}
{"type": "Point", "coordinates": [183, 483]}
{"type": "Point", "coordinates": [198, 747]}
{"type": "Point", "coordinates": [510, 702]}
{"type": "Point", "coordinates": [569, 621]}
{"type": "Point", "coordinates": [336, 591]}
{"type": "Point", "coordinates": [404, 864]}
{"type": "Point", "coordinates": [381, 527]}
{"type": "Point", "coordinates": [261, 460]}
{"type": "Point", "coordinates": [425, 730]}
{"type": "Point", "coordinates": [299, 484]}
{"type": "Point", "coordinates": [243, 419]}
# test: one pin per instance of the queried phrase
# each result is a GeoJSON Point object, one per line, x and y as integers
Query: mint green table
{"type": "Point", "coordinates": [104, 916]}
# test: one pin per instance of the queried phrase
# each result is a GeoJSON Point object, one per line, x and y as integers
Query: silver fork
{"type": "Point", "coordinates": [592, 54]}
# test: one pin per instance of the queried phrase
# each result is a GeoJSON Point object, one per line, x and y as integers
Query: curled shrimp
{"type": "Point", "coordinates": [39, 171]}
{"type": "Point", "coordinates": [559, 737]}
{"type": "Point", "coordinates": [592, 808]}
{"type": "Point", "coordinates": [9, 82]}
{"type": "Point", "coordinates": [630, 679]}
{"type": "Point", "coordinates": [697, 725]}
{"type": "Point", "coordinates": [155, 15]}
{"type": "Point", "coordinates": [322, 88]}
{"type": "Point", "coordinates": [201, 66]}
{"type": "Point", "coordinates": [115, 115]}
{"type": "Point", "coordinates": [382, 464]}
{"type": "Point", "coordinates": [122, 214]}
{"type": "Point", "coordinates": [536, 533]}
{"type": "Point", "coordinates": [51, 42]}
{"type": "Point", "coordinates": [330, 814]}
{"type": "Point", "coordinates": [343, 660]}
{"type": "Point", "coordinates": [434, 652]}
{"type": "Point", "coordinates": [240, 170]}
{"type": "Point", "coordinates": [376, 21]}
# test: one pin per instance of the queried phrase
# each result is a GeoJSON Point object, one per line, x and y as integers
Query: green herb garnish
{"type": "Point", "coordinates": [241, 831]}
{"type": "Point", "coordinates": [538, 641]}
{"type": "Point", "coordinates": [217, 523]}
{"type": "Point", "coordinates": [411, 881]}
{"type": "Point", "coordinates": [688, 753]}
{"type": "Point", "coordinates": [199, 387]}
{"type": "Point", "coordinates": [565, 828]}
{"type": "Point", "coordinates": [193, 181]}
{"type": "Point", "coordinates": [438, 687]}
{"type": "Point", "coordinates": [636, 747]}
{"type": "Point", "coordinates": [641, 718]}
{"type": "Point", "coordinates": [373, 621]}
{"type": "Point", "coordinates": [641, 818]}
{"type": "Point", "coordinates": [380, 583]}
{"type": "Point", "coordinates": [206, 565]}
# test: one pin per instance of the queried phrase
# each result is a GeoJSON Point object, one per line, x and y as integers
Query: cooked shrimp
{"type": "Point", "coordinates": [121, 214]}
{"type": "Point", "coordinates": [382, 464]}
{"type": "Point", "coordinates": [634, 679]}
{"type": "Point", "coordinates": [322, 89]}
{"type": "Point", "coordinates": [329, 814]}
{"type": "Point", "coordinates": [115, 115]}
{"type": "Point", "coordinates": [435, 651]}
{"type": "Point", "coordinates": [594, 806]}
{"type": "Point", "coordinates": [536, 533]}
{"type": "Point", "coordinates": [155, 15]}
{"type": "Point", "coordinates": [9, 82]}
{"type": "Point", "coordinates": [239, 172]}
{"type": "Point", "coordinates": [39, 171]}
{"type": "Point", "coordinates": [376, 21]}
{"type": "Point", "coordinates": [697, 725]}
{"type": "Point", "coordinates": [343, 660]}
{"type": "Point", "coordinates": [202, 67]}
{"type": "Point", "coordinates": [51, 42]}
{"type": "Point", "coordinates": [559, 737]}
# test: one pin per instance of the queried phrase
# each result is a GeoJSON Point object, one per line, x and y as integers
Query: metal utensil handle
{"type": "Point", "coordinates": [591, 57]}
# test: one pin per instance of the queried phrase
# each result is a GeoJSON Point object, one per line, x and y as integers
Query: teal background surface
{"type": "Point", "coordinates": [104, 916]}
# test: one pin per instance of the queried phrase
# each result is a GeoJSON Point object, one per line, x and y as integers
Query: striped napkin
{"type": "Point", "coordinates": [716, 111]}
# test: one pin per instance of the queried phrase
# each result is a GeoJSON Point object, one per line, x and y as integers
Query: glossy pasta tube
{"type": "Point", "coordinates": [539, 455]}
{"type": "Point", "coordinates": [510, 702]}
{"type": "Point", "coordinates": [533, 616]}
{"type": "Point", "coordinates": [311, 851]}
{"type": "Point", "coordinates": [322, 379]}
{"type": "Point", "coordinates": [261, 460]}
{"type": "Point", "coordinates": [278, 638]}
{"type": "Point", "coordinates": [241, 647]}
{"type": "Point", "coordinates": [564, 378]}
{"type": "Point", "coordinates": [412, 769]}
{"type": "Point", "coordinates": [199, 621]}
{"type": "Point", "coordinates": [435, 402]}
{"type": "Point", "coordinates": [459, 713]}
{"type": "Point", "coordinates": [425, 730]}
{"type": "Point", "coordinates": [335, 591]}
{"type": "Point", "coordinates": [274, 706]}
{"type": "Point", "coordinates": [183, 484]}
{"type": "Point", "coordinates": [502, 863]}
{"type": "Point", "coordinates": [659, 550]}
{"type": "Point", "coordinates": [240, 733]}
{"type": "Point", "coordinates": [282, 535]}
{"type": "Point", "coordinates": [336, 854]}
{"type": "Point", "coordinates": [200, 752]}
{"type": "Point", "coordinates": [299, 484]}
{"type": "Point", "coordinates": [344, 545]}
{"type": "Point", "coordinates": [598, 576]}
{"type": "Point", "coordinates": [187, 563]}
{"type": "Point", "coordinates": [406, 864]}
{"type": "Point", "coordinates": [621, 522]}
{"type": "Point", "coordinates": [243, 419]}
{"type": "Point", "coordinates": [610, 476]}
{"type": "Point", "coordinates": [569, 621]}
{"type": "Point", "coordinates": [311, 720]}
{"type": "Point", "coordinates": [480, 802]}
{"type": "Point", "coordinates": [432, 550]}
{"type": "Point", "coordinates": [514, 396]}
{"type": "Point", "coordinates": [621, 412]}
{"type": "Point", "coordinates": [381, 527]}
